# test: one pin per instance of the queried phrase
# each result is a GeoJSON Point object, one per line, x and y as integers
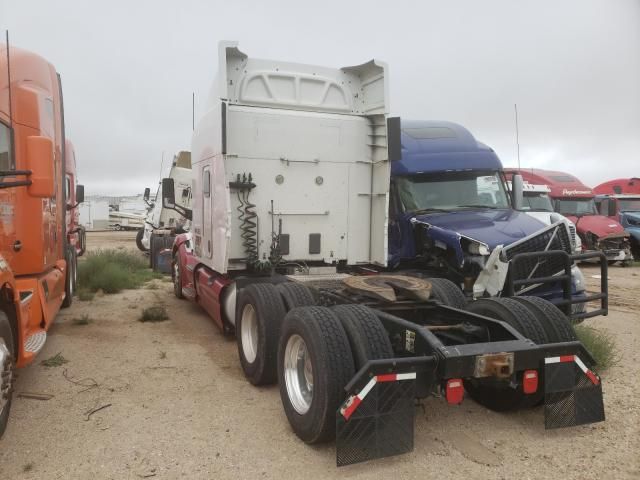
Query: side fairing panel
{"type": "Point", "coordinates": [211, 231]}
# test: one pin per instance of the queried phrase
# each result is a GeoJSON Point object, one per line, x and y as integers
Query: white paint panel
{"type": "Point", "coordinates": [321, 129]}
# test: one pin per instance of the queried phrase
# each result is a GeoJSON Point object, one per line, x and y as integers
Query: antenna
{"type": "Point", "coordinates": [193, 110]}
{"type": "Point", "coordinates": [9, 80]}
{"type": "Point", "coordinates": [515, 106]}
{"type": "Point", "coordinates": [161, 165]}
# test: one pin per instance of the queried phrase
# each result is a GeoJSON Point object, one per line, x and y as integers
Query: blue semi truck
{"type": "Point", "coordinates": [452, 216]}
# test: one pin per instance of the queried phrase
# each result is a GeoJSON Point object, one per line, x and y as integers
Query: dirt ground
{"type": "Point", "coordinates": [175, 405]}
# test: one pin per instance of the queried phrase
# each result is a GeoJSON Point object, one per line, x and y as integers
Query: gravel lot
{"type": "Point", "coordinates": [176, 405]}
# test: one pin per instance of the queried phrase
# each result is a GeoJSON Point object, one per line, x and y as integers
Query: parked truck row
{"type": "Point", "coordinates": [361, 261]}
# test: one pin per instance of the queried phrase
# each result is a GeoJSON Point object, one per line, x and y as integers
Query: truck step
{"type": "Point", "coordinates": [34, 343]}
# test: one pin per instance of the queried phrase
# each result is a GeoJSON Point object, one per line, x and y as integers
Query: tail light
{"type": "Point", "coordinates": [530, 381]}
{"type": "Point", "coordinates": [454, 391]}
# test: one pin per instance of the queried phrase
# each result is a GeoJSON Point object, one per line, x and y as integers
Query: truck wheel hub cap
{"type": "Point", "coordinates": [249, 333]}
{"type": "Point", "coordinates": [6, 375]}
{"type": "Point", "coordinates": [298, 374]}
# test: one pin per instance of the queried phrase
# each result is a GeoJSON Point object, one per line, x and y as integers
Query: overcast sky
{"type": "Point", "coordinates": [129, 68]}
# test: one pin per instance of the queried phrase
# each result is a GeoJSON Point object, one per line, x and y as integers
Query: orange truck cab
{"type": "Point", "coordinates": [37, 263]}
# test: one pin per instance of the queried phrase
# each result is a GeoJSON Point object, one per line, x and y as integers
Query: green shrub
{"type": "Point", "coordinates": [601, 344]}
{"type": "Point", "coordinates": [83, 320]}
{"type": "Point", "coordinates": [112, 271]}
{"type": "Point", "coordinates": [54, 361]}
{"type": "Point", "coordinates": [154, 314]}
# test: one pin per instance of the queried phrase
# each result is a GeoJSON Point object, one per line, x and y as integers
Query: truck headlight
{"type": "Point", "coordinates": [478, 248]}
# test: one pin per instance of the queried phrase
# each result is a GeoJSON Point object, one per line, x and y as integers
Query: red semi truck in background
{"type": "Point", "coordinates": [619, 199]}
{"type": "Point", "coordinates": [576, 201]}
{"type": "Point", "coordinates": [619, 186]}
{"type": "Point", "coordinates": [37, 261]}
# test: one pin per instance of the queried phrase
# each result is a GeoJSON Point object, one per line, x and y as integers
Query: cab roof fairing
{"type": "Point", "coordinates": [353, 90]}
{"type": "Point", "coordinates": [561, 184]}
{"type": "Point", "coordinates": [455, 150]}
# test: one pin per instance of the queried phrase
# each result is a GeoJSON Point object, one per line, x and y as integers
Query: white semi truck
{"type": "Point", "coordinates": [288, 249]}
{"type": "Point", "coordinates": [164, 221]}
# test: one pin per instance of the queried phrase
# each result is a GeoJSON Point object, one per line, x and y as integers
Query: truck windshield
{"type": "Point", "coordinates": [6, 162]}
{"type": "Point", "coordinates": [537, 202]}
{"type": "Point", "coordinates": [452, 191]}
{"type": "Point", "coordinates": [629, 204]}
{"type": "Point", "coordinates": [576, 206]}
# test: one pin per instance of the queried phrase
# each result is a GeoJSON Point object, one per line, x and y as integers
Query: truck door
{"type": "Point", "coordinates": [207, 199]}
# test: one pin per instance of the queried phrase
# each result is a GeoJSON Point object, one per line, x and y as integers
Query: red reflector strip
{"type": "Point", "coordinates": [574, 358]}
{"type": "Point", "coordinates": [352, 403]}
{"type": "Point", "coordinates": [590, 375]}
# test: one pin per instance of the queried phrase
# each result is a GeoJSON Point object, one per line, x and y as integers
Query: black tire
{"type": "Point", "coordinates": [152, 241]}
{"type": "Point", "coordinates": [176, 276]}
{"type": "Point", "coordinates": [117, 227]}
{"type": "Point", "coordinates": [499, 395]}
{"type": "Point", "coordinates": [447, 293]}
{"type": "Point", "coordinates": [512, 312]}
{"type": "Point", "coordinates": [82, 238]}
{"type": "Point", "coordinates": [139, 237]}
{"type": "Point", "coordinates": [295, 295]}
{"type": "Point", "coordinates": [367, 337]}
{"type": "Point", "coordinates": [554, 322]}
{"type": "Point", "coordinates": [70, 279]}
{"type": "Point", "coordinates": [269, 310]}
{"type": "Point", "coordinates": [332, 365]}
{"type": "Point", "coordinates": [6, 334]}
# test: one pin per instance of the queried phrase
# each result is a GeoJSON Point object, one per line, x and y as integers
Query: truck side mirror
{"type": "Point", "coordinates": [40, 162]}
{"type": "Point", "coordinates": [612, 208]}
{"type": "Point", "coordinates": [79, 194]}
{"type": "Point", "coordinates": [516, 191]}
{"type": "Point", "coordinates": [147, 193]}
{"type": "Point", "coordinates": [168, 195]}
{"type": "Point", "coordinates": [394, 142]}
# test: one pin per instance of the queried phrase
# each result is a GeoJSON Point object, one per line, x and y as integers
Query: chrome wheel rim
{"type": "Point", "coordinates": [298, 374]}
{"type": "Point", "coordinates": [249, 333]}
{"type": "Point", "coordinates": [6, 375]}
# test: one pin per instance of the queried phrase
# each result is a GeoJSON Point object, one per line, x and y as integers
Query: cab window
{"type": "Point", "coordinates": [6, 150]}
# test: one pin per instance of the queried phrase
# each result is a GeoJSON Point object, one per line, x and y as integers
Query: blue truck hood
{"type": "Point", "coordinates": [493, 227]}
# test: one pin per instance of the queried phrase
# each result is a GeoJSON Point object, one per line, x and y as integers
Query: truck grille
{"type": "Point", "coordinates": [612, 243]}
{"type": "Point", "coordinates": [572, 235]}
{"type": "Point", "coordinates": [554, 237]}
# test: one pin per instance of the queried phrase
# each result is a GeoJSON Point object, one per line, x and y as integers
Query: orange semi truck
{"type": "Point", "coordinates": [37, 261]}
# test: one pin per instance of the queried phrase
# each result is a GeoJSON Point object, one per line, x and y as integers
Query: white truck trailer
{"type": "Point", "coordinates": [288, 250]}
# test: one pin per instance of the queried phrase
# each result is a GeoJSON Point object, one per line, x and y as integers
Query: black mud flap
{"type": "Point", "coordinates": [378, 421]}
{"type": "Point", "coordinates": [573, 393]}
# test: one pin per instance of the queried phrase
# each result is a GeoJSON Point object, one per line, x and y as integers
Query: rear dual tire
{"type": "Point", "coordinates": [311, 351]}
{"type": "Point", "coordinates": [536, 319]}
{"type": "Point", "coordinates": [259, 318]}
{"type": "Point", "coordinates": [312, 378]}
